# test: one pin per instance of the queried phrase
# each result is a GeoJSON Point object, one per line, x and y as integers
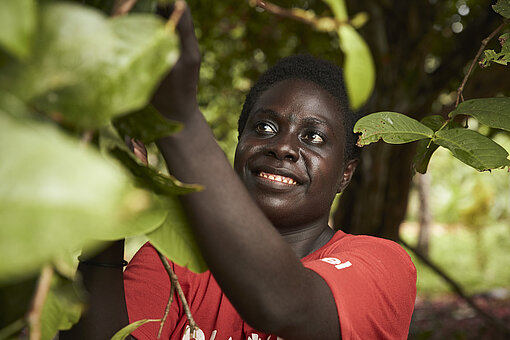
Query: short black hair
{"type": "Point", "coordinates": [321, 72]}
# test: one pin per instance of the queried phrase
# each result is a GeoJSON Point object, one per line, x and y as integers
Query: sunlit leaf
{"type": "Point", "coordinates": [472, 148]}
{"type": "Point", "coordinates": [87, 68]}
{"type": "Point", "coordinates": [62, 308]}
{"type": "Point", "coordinates": [494, 112]}
{"type": "Point", "coordinates": [54, 195]}
{"type": "Point", "coordinates": [17, 26]}
{"type": "Point", "coordinates": [503, 8]}
{"type": "Point", "coordinates": [146, 125]}
{"type": "Point", "coordinates": [359, 69]}
{"type": "Point", "coordinates": [391, 127]}
{"type": "Point", "coordinates": [124, 332]}
{"type": "Point", "coordinates": [175, 240]}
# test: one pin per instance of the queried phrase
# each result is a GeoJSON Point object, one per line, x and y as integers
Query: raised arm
{"type": "Point", "coordinates": [256, 268]}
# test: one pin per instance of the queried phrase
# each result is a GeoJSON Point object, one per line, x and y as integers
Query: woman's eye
{"type": "Point", "coordinates": [264, 128]}
{"type": "Point", "coordinates": [313, 137]}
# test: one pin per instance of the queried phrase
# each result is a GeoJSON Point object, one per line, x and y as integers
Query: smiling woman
{"type": "Point", "coordinates": [277, 270]}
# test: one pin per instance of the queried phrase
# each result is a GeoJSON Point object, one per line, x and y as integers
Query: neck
{"type": "Point", "coordinates": [305, 241]}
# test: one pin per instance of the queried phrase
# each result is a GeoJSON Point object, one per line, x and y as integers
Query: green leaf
{"type": "Point", "coordinates": [472, 148]}
{"type": "Point", "coordinates": [358, 66]}
{"type": "Point", "coordinates": [502, 7]}
{"type": "Point", "coordinates": [55, 195]}
{"type": "Point", "coordinates": [502, 57]}
{"type": "Point", "coordinates": [425, 148]}
{"type": "Point", "coordinates": [494, 112]}
{"type": "Point", "coordinates": [149, 178]}
{"type": "Point", "coordinates": [392, 127]}
{"type": "Point", "coordinates": [146, 125]}
{"type": "Point", "coordinates": [175, 240]}
{"type": "Point", "coordinates": [124, 332]}
{"type": "Point", "coordinates": [87, 68]}
{"type": "Point", "coordinates": [62, 308]}
{"type": "Point", "coordinates": [17, 26]}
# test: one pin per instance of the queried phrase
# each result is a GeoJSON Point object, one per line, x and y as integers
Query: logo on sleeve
{"type": "Point", "coordinates": [337, 263]}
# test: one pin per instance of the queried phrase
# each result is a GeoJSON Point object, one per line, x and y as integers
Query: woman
{"type": "Point", "coordinates": [276, 268]}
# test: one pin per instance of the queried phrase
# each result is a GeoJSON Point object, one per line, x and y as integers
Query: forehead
{"type": "Point", "coordinates": [301, 99]}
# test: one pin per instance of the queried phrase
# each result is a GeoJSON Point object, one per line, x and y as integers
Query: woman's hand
{"type": "Point", "coordinates": [176, 96]}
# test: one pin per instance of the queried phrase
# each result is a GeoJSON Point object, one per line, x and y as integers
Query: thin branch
{"type": "Point", "coordinates": [496, 323]}
{"type": "Point", "coordinates": [167, 309]}
{"type": "Point", "coordinates": [122, 7]}
{"type": "Point", "coordinates": [86, 137]}
{"type": "Point", "coordinates": [41, 292]}
{"type": "Point", "coordinates": [325, 24]}
{"type": "Point", "coordinates": [179, 7]}
{"type": "Point", "coordinates": [485, 41]}
{"type": "Point", "coordinates": [175, 282]}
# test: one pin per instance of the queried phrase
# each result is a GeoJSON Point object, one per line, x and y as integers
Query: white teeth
{"type": "Point", "coordinates": [278, 178]}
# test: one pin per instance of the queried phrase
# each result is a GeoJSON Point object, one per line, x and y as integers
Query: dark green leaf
{"type": "Point", "coordinates": [17, 26]}
{"type": "Point", "coordinates": [151, 179]}
{"type": "Point", "coordinates": [88, 68]}
{"type": "Point", "coordinates": [425, 148]}
{"type": "Point", "coordinates": [124, 332]}
{"type": "Point", "coordinates": [472, 148]}
{"type": "Point", "coordinates": [392, 127]}
{"type": "Point", "coordinates": [62, 308]}
{"type": "Point", "coordinates": [55, 194]}
{"type": "Point", "coordinates": [175, 240]}
{"type": "Point", "coordinates": [494, 112]}
{"type": "Point", "coordinates": [146, 125]}
{"type": "Point", "coordinates": [502, 7]}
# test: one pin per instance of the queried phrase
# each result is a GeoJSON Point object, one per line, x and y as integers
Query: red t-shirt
{"type": "Point", "coordinates": [372, 280]}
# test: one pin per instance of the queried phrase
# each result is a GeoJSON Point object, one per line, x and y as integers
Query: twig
{"type": "Point", "coordinates": [319, 23]}
{"type": "Point", "coordinates": [475, 59]}
{"type": "Point", "coordinates": [500, 326]}
{"type": "Point", "coordinates": [122, 7]}
{"type": "Point", "coordinates": [41, 292]}
{"type": "Point", "coordinates": [175, 282]}
{"type": "Point", "coordinates": [13, 328]}
{"type": "Point", "coordinates": [86, 137]}
{"type": "Point", "coordinates": [179, 7]}
{"type": "Point", "coordinates": [167, 309]}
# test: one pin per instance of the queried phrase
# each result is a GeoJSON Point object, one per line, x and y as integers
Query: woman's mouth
{"type": "Point", "coordinates": [277, 178]}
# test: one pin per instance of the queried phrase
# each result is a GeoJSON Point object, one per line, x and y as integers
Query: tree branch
{"type": "Point", "coordinates": [175, 283]}
{"type": "Point", "coordinates": [475, 59]}
{"type": "Point", "coordinates": [496, 323]}
{"type": "Point", "coordinates": [122, 7]}
{"type": "Point", "coordinates": [324, 24]}
{"type": "Point", "coordinates": [41, 292]}
{"type": "Point", "coordinates": [167, 309]}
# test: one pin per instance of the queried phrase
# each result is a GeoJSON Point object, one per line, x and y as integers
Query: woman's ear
{"type": "Point", "coordinates": [347, 175]}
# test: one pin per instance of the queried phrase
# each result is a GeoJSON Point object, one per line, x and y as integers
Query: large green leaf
{"type": "Point", "coordinates": [502, 7]}
{"type": "Point", "coordinates": [358, 65]}
{"type": "Point", "coordinates": [55, 194]}
{"type": "Point", "coordinates": [472, 148]}
{"type": "Point", "coordinates": [17, 26]}
{"type": "Point", "coordinates": [146, 125]}
{"type": "Point", "coordinates": [88, 68]}
{"type": "Point", "coordinates": [62, 308]}
{"type": "Point", "coordinates": [494, 112]}
{"type": "Point", "coordinates": [124, 332]}
{"type": "Point", "coordinates": [425, 148]}
{"type": "Point", "coordinates": [392, 127]}
{"type": "Point", "coordinates": [175, 240]}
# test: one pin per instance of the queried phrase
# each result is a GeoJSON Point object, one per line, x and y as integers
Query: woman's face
{"type": "Point", "coordinates": [290, 155]}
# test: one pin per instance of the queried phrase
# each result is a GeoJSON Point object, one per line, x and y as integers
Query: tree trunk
{"type": "Point", "coordinates": [423, 183]}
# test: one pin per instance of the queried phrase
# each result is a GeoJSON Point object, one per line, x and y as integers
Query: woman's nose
{"type": "Point", "coordinates": [284, 146]}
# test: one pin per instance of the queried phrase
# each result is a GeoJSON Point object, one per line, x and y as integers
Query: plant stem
{"type": "Point", "coordinates": [179, 7]}
{"type": "Point", "coordinates": [12, 329]}
{"type": "Point", "coordinates": [475, 59]}
{"type": "Point", "coordinates": [175, 283]}
{"type": "Point", "coordinates": [167, 309]}
{"type": "Point", "coordinates": [299, 15]}
{"type": "Point", "coordinates": [41, 292]}
{"type": "Point", "coordinates": [496, 323]}
{"type": "Point", "coordinates": [122, 7]}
